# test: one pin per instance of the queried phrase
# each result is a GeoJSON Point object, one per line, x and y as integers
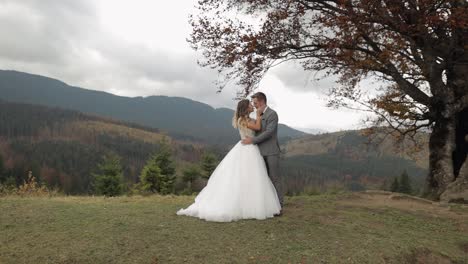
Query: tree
{"type": "Point", "coordinates": [109, 180]}
{"type": "Point", "coordinates": [159, 173]}
{"type": "Point", "coordinates": [164, 160]}
{"type": "Point", "coordinates": [417, 50]}
{"type": "Point", "coordinates": [150, 176]}
{"type": "Point", "coordinates": [190, 175]}
{"type": "Point", "coordinates": [405, 185]}
{"type": "Point", "coordinates": [395, 185]}
{"type": "Point", "coordinates": [167, 177]}
{"type": "Point", "coordinates": [167, 184]}
{"type": "Point", "coordinates": [208, 165]}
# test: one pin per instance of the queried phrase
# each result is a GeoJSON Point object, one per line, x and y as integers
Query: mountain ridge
{"type": "Point", "coordinates": [188, 117]}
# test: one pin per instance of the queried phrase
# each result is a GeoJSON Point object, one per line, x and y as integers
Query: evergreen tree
{"type": "Point", "coordinates": [395, 185]}
{"type": "Point", "coordinates": [167, 184]}
{"type": "Point", "coordinates": [150, 176]}
{"type": "Point", "coordinates": [110, 177]}
{"type": "Point", "coordinates": [190, 175]}
{"type": "Point", "coordinates": [405, 185]}
{"type": "Point", "coordinates": [209, 164]}
{"type": "Point", "coordinates": [159, 173]}
{"type": "Point", "coordinates": [164, 162]}
{"type": "Point", "coordinates": [167, 176]}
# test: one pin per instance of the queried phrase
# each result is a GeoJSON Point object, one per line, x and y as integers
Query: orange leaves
{"type": "Point", "coordinates": [459, 17]}
{"type": "Point", "coordinates": [350, 38]}
{"type": "Point", "coordinates": [278, 15]}
{"type": "Point", "coordinates": [396, 104]}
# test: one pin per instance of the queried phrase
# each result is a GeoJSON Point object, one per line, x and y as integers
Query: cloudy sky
{"type": "Point", "coordinates": [138, 48]}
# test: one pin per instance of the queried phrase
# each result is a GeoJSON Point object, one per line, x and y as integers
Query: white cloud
{"type": "Point", "coordinates": [139, 48]}
{"type": "Point", "coordinates": [306, 109]}
{"type": "Point", "coordinates": [295, 78]}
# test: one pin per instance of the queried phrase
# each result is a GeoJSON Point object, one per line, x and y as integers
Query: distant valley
{"type": "Point", "coordinates": [61, 132]}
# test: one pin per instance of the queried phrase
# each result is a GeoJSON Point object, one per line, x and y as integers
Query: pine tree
{"type": "Point", "coordinates": [167, 176]}
{"type": "Point", "coordinates": [208, 165]}
{"type": "Point", "coordinates": [190, 175]}
{"type": "Point", "coordinates": [167, 184]}
{"type": "Point", "coordinates": [109, 180]}
{"type": "Point", "coordinates": [395, 186]}
{"type": "Point", "coordinates": [165, 163]}
{"type": "Point", "coordinates": [150, 176]}
{"type": "Point", "coordinates": [405, 185]}
{"type": "Point", "coordinates": [158, 175]}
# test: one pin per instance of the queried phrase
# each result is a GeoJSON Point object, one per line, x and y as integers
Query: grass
{"type": "Point", "coordinates": [344, 228]}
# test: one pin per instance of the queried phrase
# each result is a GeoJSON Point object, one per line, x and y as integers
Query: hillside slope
{"type": "Point", "coordinates": [63, 147]}
{"type": "Point", "coordinates": [356, 228]}
{"type": "Point", "coordinates": [348, 158]}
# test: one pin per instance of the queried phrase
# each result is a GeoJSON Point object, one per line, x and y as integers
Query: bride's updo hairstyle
{"type": "Point", "coordinates": [242, 114]}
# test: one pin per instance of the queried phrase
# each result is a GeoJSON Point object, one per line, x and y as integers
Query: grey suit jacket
{"type": "Point", "coordinates": [267, 137]}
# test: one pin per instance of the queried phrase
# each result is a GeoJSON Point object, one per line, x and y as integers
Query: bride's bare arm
{"type": "Point", "coordinates": [256, 124]}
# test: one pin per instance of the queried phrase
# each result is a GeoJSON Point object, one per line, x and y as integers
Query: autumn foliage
{"type": "Point", "coordinates": [416, 50]}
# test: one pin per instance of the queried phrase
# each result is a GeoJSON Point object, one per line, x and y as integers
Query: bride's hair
{"type": "Point", "coordinates": [241, 115]}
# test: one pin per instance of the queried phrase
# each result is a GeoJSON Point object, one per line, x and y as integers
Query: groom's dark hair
{"type": "Point", "coordinates": [260, 96]}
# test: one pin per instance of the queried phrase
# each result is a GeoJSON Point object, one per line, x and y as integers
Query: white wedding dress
{"type": "Point", "coordinates": [239, 188]}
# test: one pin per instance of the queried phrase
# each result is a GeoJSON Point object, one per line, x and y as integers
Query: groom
{"type": "Point", "coordinates": [267, 141]}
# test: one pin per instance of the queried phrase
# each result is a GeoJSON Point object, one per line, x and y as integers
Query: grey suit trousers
{"type": "Point", "coordinates": [272, 164]}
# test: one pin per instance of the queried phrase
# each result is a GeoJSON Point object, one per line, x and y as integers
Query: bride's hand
{"type": "Point", "coordinates": [259, 111]}
{"type": "Point", "coordinates": [247, 141]}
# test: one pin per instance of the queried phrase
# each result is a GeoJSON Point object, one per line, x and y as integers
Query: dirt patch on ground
{"type": "Point", "coordinates": [425, 256]}
{"type": "Point", "coordinates": [381, 199]}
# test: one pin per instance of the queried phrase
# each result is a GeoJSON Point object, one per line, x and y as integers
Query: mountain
{"type": "Point", "coordinates": [72, 142]}
{"type": "Point", "coordinates": [63, 147]}
{"type": "Point", "coordinates": [182, 118]}
{"type": "Point", "coordinates": [312, 131]}
{"type": "Point", "coordinates": [349, 159]}
{"type": "Point", "coordinates": [356, 143]}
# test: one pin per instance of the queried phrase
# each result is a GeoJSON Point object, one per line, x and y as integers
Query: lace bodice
{"type": "Point", "coordinates": [245, 132]}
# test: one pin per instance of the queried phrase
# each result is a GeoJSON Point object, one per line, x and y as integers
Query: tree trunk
{"type": "Point", "coordinates": [441, 147]}
{"type": "Point", "coordinates": [461, 141]}
{"type": "Point", "coordinates": [457, 191]}
{"type": "Point", "coordinates": [448, 168]}
{"type": "Point", "coordinates": [457, 78]}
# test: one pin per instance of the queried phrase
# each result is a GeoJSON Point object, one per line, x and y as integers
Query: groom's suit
{"type": "Point", "coordinates": [267, 141]}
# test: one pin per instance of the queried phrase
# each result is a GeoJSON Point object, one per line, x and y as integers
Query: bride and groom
{"type": "Point", "coordinates": [246, 183]}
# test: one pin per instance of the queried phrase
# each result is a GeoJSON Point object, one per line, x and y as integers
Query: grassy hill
{"type": "Point", "coordinates": [181, 117]}
{"type": "Point", "coordinates": [358, 144]}
{"type": "Point", "coordinates": [349, 159]}
{"type": "Point", "coordinates": [343, 228]}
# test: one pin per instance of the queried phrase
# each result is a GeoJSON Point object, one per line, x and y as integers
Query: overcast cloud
{"type": "Point", "coordinates": [138, 48]}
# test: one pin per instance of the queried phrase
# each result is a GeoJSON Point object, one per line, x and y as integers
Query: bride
{"type": "Point", "coordinates": [239, 188]}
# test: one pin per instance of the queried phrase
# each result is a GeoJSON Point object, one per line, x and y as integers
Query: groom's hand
{"type": "Point", "coordinates": [247, 141]}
